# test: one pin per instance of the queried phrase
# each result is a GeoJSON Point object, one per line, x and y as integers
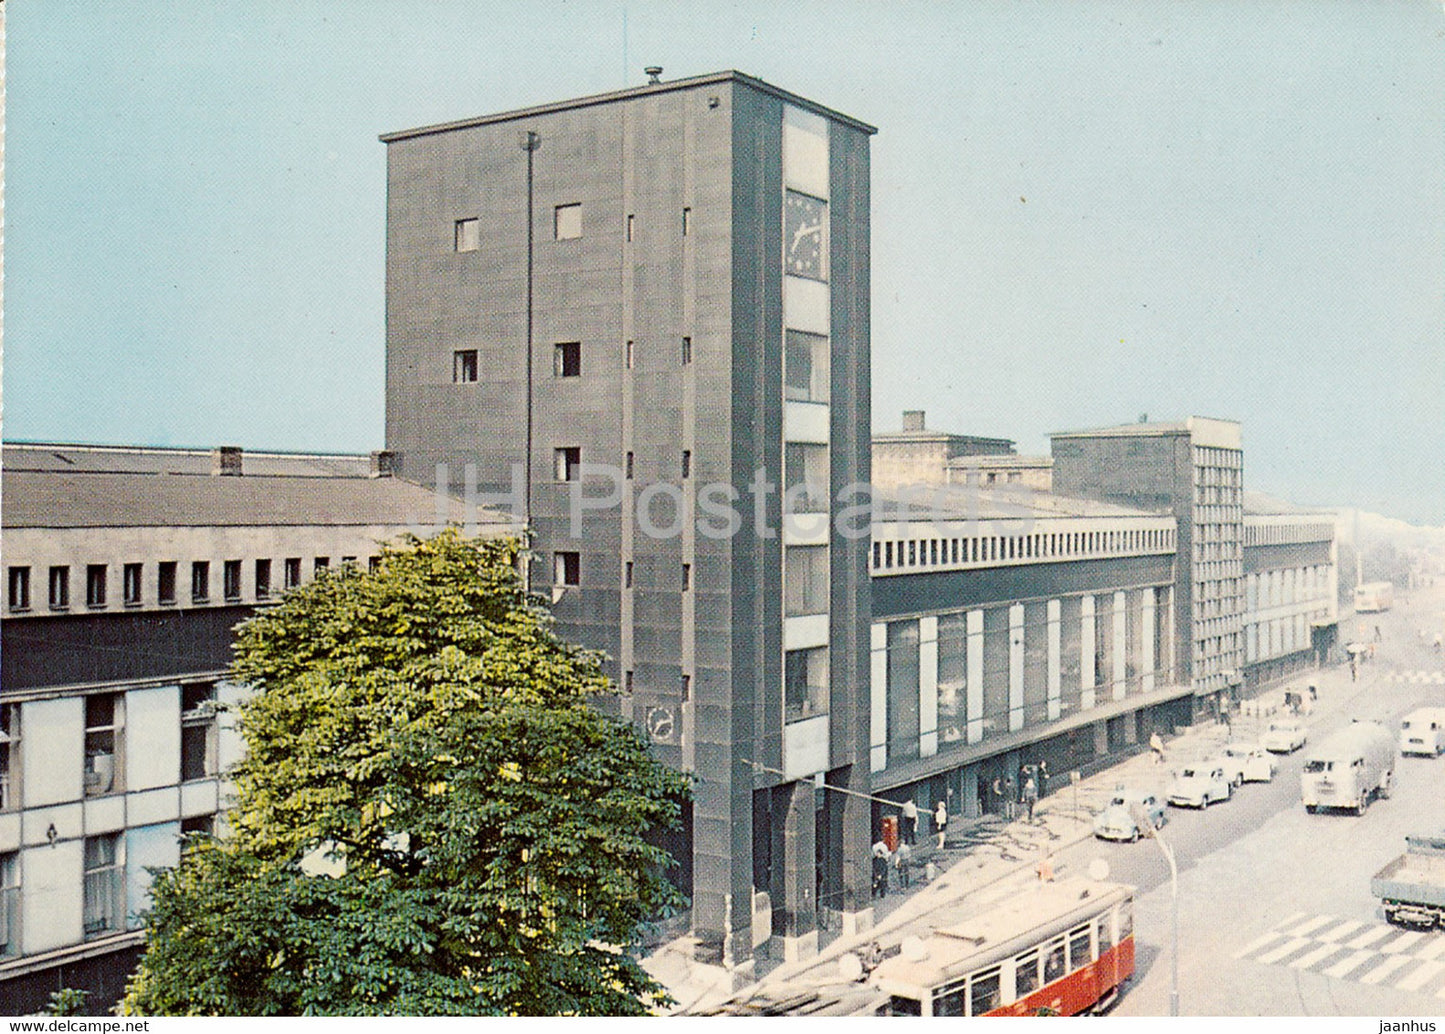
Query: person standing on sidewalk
{"type": "Point", "coordinates": [940, 822]}
{"type": "Point", "coordinates": [1010, 798]}
{"type": "Point", "coordinates": [902, 860]}
{"type": "Point", "coordinates": [1156, 746]}
{"type": "Point", "coordinates": [910, 821]}
{"type": "Point", "coordinates": [881, 857]}
{"type": "Point", "coordinates": [1031, 796]}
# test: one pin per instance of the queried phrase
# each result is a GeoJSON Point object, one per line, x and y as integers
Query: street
{"type": "Point", "coordinates": [1275, 911]}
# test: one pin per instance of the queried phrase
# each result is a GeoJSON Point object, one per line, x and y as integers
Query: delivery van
{"type": "Point", "coordinates": [1349, 768]}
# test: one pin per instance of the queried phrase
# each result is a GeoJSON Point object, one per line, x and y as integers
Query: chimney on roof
{"type": "Point", "coordinates": [913, 420]}
{"type": "Point", "coordinates": [654, 74]}
{"type": "Point", "coordinates": [226, 461]}
{"type": "Point", "coordinates": [384, 463]}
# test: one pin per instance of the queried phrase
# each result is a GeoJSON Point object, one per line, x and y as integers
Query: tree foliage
{"type": "Point", "coordinates": [425, 725]}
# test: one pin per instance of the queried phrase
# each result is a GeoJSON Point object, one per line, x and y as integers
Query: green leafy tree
{"type": "Point", "coordinates": [424, 729]}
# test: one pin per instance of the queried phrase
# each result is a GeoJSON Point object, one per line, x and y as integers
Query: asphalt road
{"type": "Point", "coordinates": [1275, 913]}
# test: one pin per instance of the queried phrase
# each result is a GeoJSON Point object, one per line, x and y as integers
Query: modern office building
{"type": "Point", "coordinates": [1010, 633]}
{"type": "Point", "coordinates": [1291, 587]}
{"type": "Point", "coordinates": [637, 314]}
{"type": "Point", "coordinates": [126, 570]}
{"type": "Point", "coordinates": [1194, 471]}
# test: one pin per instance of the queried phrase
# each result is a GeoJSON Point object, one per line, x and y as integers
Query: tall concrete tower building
{"type": "Point", "coordinates": [639, 317]}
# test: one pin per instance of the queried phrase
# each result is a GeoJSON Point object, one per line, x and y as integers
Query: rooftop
{"type": "Point", "coordinates": [84, 486]}
{"type": "Point", "coordinates": [968, 502]}
{"type": "Point", "coordinates": [633, 91]}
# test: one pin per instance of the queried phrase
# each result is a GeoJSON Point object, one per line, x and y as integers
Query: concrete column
{"type": "Point", "coordinates": [1055, 611]}
{"type": "Point", "coordinates": [1146, 637]}
{"type": "Point", "coordinates": [857, 847]}
{"type": "Point", "coordinates": [974, 660]}
{"type": "Point", "coordinates": [1121, 672]}
{"type": "Point", "coordinates": [1016, 667]}
{"type": "Point", "coordinates": [800, 907]}
{"type": "Point", "coordinates": [1086, 653]}
{"type": "Point", "coordinates": [927, 687]}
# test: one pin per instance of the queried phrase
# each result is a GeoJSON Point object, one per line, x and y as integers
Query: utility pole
{"type": "Point", "coordinates": [1147, 825]}
{"type": "Point", "coordinates": [529, 142]}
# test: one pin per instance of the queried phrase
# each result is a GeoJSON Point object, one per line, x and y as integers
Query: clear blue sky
{"type": "Point", "coordinates": [1082, 211]}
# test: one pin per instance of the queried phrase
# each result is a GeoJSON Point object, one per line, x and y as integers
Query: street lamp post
{"type": "Point", "coordinates": [529, 141]}
{"type": "Point", "coordinates": [1146, 824]}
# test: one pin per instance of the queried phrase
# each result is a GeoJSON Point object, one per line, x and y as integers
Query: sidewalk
{"type": "Point", "coordinates": [976, 857]}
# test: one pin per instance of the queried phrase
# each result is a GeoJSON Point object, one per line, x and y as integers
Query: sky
{"type": "Point", "coordinates": [1083, 211]}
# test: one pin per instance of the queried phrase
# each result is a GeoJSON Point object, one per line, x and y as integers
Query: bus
{"type": "Point", "coordinates": [1373, 597]}
{"type": "Point", "coordinates": [1062, 948]}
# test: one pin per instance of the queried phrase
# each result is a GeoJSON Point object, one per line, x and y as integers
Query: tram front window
{"type": "Point", "coordinates": [1106, 933]}
{"type": "Point", "coordinates": [901, 1006]}
{"type": "Point", "coordinates": [984, 993]}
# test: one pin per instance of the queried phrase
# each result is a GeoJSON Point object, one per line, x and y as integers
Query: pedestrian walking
{"type": "Point", "coordinates": [1378, 638]}
{"type": "Point", "coordinates": [902, 861]}
{"type": "Point", "coordinates": [1010, 798]}
{"type": "Point", "coordinates": [940, 822]}
{"type": "Point", "coordinates": [1355, 664]}
{"type": "Point", "coordinates": [1031, 796]}
{"type": "Point", "coordinates": [1043, 778]}
{"type": "Point", "coordinates": [1156, 746]}
{"type": "Point", "coordinates": [881, 856]}
{"type": "Point", "coordinates": [910, 821]}
{"type": "Point", "coordinates": [1224, 719]}
{"type": "Point", "coordinates": [1314, 693]}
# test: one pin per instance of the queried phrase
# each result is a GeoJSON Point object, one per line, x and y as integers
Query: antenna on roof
{"type": "Point", "coordinates": [1143, 418]}
{"type": "Point", "coordinates": [654, 74]}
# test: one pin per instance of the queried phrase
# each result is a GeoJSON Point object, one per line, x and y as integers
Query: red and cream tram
{"type": "Point", "coordinates": [1065, 947]}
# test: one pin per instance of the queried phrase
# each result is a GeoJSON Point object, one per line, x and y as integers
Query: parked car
{"type": "Point", "coordinates": [1246, 763]}
{"type": "Point", "coordinates": [1200, 785]}
{"type": "Point", "coordinates": [1284, 736]}
{"type": "Point", "coordinates": [1117, 822]}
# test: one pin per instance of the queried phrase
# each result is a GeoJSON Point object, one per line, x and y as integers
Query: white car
{"type": "Point", "coordinates": [1200, 785]}
{"type": "Point", "coordinates": [1284, 735]}
{"type": "Point", "coordinates": [1117, 822]}
{"type": "Point", "coordinates": [1246, 763]}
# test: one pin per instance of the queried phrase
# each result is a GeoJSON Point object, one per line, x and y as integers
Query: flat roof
{"type": "Point", "coordinates": [630, 92]}
{"type": "Point", "coordinates": [970, 502]}
{"type": "Point", "coordinates": [63, 457]}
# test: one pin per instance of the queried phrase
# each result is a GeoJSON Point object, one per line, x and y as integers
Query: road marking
{"type": "Point", "coordinates": [1288, 948]}
{"type": "Point", "coordinates": [1291, 920]}
{"type": "Point", "coordinates": [1370, 936]}
{"type": "Point", "coordinates": [1258, 942]}
{"type": "Point", "coordinates": [1385, 968]}
{"type": "Point", "coordinates": [1421, 976]}
{"type": "Point", "coordinates": [1435, 947]}
{"type": "Point", "coordinates": [1355, 961]}
{"type": "Point", "coordinates": [1310, 958]}
{"type": "Point", "coordinates": [1405, 941]}
{"type": "Point", "coordinates": [1348, 926]}
{"type": "Point", "coordinates": [1313, 924]}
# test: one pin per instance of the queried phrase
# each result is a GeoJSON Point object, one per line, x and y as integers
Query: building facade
{"type": "Point", "coordinates": [1194, 471]}
{"type": "Point", "coordinates": [1291, 586]}
{"type": "Point", "coordinates": [126, 571]}
{"type": "Point", "coordinates": [1037, 635]}
{"type": "Point", "coordinates": [639, 314]}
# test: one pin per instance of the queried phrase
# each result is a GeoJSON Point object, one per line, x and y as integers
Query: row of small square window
{"type": "Point", "coordinates": [566, 226]}
{"type": "Point", "coordinates": [567, 571]}
{"type": "Point", "coordinates": [566, 360]}
{"type": "Point", "coordinates": [567, 464]}
{"type": "Point", "coordinates": [97, 578]}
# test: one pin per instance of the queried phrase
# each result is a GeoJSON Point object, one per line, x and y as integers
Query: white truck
{"type": "Point", "coordinates": [1349, 768]}
{"type": "Point", "coordinates": [1422, 731]}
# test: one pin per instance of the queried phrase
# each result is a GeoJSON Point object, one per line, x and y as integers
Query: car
{"type": "Point", "coordinates": [1200, 785]}
{"type": "Point", "coordinates": [1284, 735]}
{"type": "Point", "coordinates": [1246, 763]}
{"type": "Point", "coordinates": [1117, 822]}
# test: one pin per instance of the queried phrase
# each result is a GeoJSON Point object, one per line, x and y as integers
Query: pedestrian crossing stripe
{"type": "Point", "coordinates": [1417, 677]}
{"type": "Point", "coordinates": [1349, 949]}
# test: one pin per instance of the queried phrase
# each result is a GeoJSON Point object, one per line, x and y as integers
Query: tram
{"type": "Point", "coordinates": [1062, 948]}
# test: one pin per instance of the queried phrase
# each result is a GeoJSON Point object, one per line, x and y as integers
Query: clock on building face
{"type": "Point", "coordinates": [804, 230]}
